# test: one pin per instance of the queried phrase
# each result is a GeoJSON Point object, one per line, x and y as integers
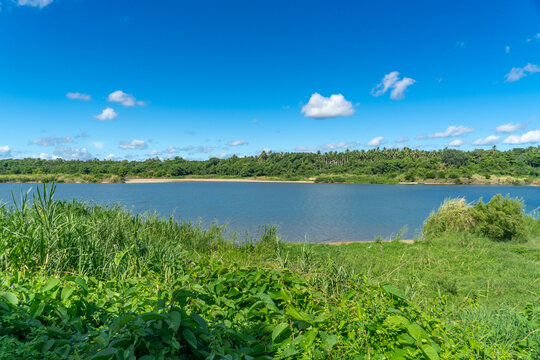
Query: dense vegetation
{"type": "Point", "coordinates": [91, 282]}
{"type": "Point", "coordinates": [376, 166]}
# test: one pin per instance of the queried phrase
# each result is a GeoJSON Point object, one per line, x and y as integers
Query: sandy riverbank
{"type": "Point", "coordinates": [156, 181]}
{"type": "Point", "coordinates": [362, 242]}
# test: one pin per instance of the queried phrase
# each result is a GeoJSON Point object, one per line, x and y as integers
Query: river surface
{"type": "Point", "coordinates": [312, 212]}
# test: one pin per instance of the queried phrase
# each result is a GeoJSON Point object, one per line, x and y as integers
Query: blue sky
{"type": "Point", "coordinates": [137, 79]}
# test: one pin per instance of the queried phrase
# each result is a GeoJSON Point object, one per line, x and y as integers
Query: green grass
{"type": "Point", "coordinates": [61, 178]}
{"type": "Point", "coordinates": [92, 282]}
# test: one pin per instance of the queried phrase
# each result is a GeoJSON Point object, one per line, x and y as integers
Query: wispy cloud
{"type": "Point", "coordinates": [456, 143]}
{"type": "Point", "coordinates": [98, 145]}
{"type": "Point", "coordinates": [450, 131]}
{"type": "Point", "coordinates": [305, 148]}
{"type": "Point", "coordinates": [52, 140]}
{"type": "Point", "coordinates": [237, 143]}
{"type": "Point", "coordinates": [490, 140]}
{"type": "Point", "coordinates": [34, 3]}
{"type": "Point", "coordinates": [69, 153]}
{"type": "Point", "coordinates": [518, 73]}
{"type": "Point", "coordinates": [197, 149]}
{"type": "Point", "coordinates": [320, 107]}
{"type": "Point", "coordinates": [107, 114]}
{"type": "Point", "coordinates": [402, 139]}
{"type": "Point", "coordinates": [507, 49]}
{"type": "Point", "coordinates": [171, 150]}
{"type": "Point", "coordinates": [531, 137]}
{"type": "Point", "coordinates": [121, 97]}
{"type": "Point", "coordinates": [376, 141]}
{"type": "Point", "coordinates": [5, 151]}
{"type": "Point", "coordinates": [78, 96]}
{"type": "Point", "coordinates": [133, 144]}
{"type": "Point", "coordinates": [510, 127]}
{"type": "Point", "coordinates": [340, 145]}
{"type": "Point", "coordinates": [392, 81]}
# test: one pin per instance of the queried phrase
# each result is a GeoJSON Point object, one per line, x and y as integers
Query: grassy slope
{"type": "Point", "coordinates": [446, 280]}
{"type": "Point", "coordinates": [495, 274]}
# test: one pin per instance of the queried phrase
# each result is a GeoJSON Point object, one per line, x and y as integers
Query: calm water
{"type": "Point", "coordinates": [320, 212]}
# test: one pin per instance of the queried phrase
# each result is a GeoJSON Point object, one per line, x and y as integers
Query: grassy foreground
{"type": "Point", "coordinates": [93, 282]}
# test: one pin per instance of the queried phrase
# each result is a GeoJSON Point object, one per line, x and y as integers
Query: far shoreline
{"type": "Point", "coordinates": [254, 180]}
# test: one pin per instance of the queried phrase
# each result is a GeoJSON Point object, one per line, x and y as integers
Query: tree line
{"type": "Point", "coordinates": [406, 163]}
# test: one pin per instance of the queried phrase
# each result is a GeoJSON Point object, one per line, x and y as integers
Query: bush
{"type": "Point", "coordinates": [500, 219]}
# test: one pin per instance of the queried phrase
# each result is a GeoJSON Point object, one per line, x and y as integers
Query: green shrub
{"type": "Point", "coordinates": [501, 219]}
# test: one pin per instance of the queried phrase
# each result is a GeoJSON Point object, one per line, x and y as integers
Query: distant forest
{"type": "Point", "coordinates": [384, 164]}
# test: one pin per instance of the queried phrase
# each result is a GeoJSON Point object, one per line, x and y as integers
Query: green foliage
{"type": "Point", "coordinates": [501, 219]}
{"type": "Point", "coordinates": [91, 282]}
{"type": "Point", "coordinates": [516, 166]}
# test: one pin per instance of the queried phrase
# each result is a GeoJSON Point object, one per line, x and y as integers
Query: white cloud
{"type": "Point", "coordinates": [224, 156]}
{"type": "Point", "coordinates": [376, 141]}
{"type": "Point", "coordinates": [5, 150]}
{"type": "Point", "coordinates": [68, 153]}
{"type": "Point", "coordinates": [387, 82]}
{"type": "Point", "coordinates": [78, 96]}
{"type": "Point", "coordinates": [34, 3]}
{"type": "Point", "coordinates": [451, 131]}
{"type": "Point", "coordinates": [107, 114]}
{"type": "Point", "coordinates": [402, 139]}
{"type": "Point", "coordinates": [111, 157]}
{"type": "Point", "coordinates": [305, 148]}
{"type": "Point", "coordinates": [98, 145]}
{"type": "Point", "coordinates": [154, 153]}
{"type": "Point", "coordinates": [490, 140]}
{"type": "Point", "coordinates": [400, 87]}
{"type": "Point", "coordinates": [45, 156]}
{"type": "Point", "coordinates": [531, 137]}
{"type": "Point", "coordinates": [320, 107]}
{"type": "Point", "coordinates": [52, 140]}
{"type": "Point", "coordinates": [460, 44]}
{"type": "Point", "coordinates": [456, 143]}
{"type": "Point", "coordinates": [237, 143]}
{"type": "Point", "coordinates": [133, 144]}
{"type": "Point", "coordinates": [125, 99]}
{"type": "Point", "coordinates": [507, 49]}
{"type": "Point", "coordinates": [518, 73]}
{"type": "Point", "coordinates": [510, 127]}
{"type": "Point", "coordinates": [392, 81]}
{"type": "Point", "coordinates": [339, 145]}
{"type": "Point", "coordinates": [171, 150]}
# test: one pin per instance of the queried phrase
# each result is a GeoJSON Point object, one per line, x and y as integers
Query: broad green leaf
{"type": "Point", "coordinates": [328, 341]}
{"type": "Point", "coordinates": [278, 330]}
{"type": "Point", "coordinates": [296, 315]}
{"type": "Point", "coordinates": [81, 283]}
{"type": "Point", "coordinates": [66, 292]}
{"type": "Point", "coordinates": [430, 352]}
{"type": "Point", "coordinates": [104, 354]}
{"type": "Point", "coordinates": [190, 338]}
{"type": "Point", "coordinates": [175, 319]}
{"type": "Point", "coordinates": [389, 289]}
{"type": "Point", "coordinates": [153, 316]}
{"type": "Point", "coordinates": [415, 331]}
{"type": "Point", "coordinates": [10, 298]}
{"type": "Point", "coordinates": [53, 282]}
{"type": "Point", "coordinates": [37, 309]}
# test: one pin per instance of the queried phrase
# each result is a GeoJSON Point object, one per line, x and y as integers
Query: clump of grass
{"type": "Point", "coordinates": [500, 219]}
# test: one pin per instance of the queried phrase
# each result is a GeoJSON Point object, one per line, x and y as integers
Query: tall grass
{"type": "Point", "coordinates": [103, 241]}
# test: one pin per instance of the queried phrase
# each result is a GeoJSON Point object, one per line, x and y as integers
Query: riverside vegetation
{"type": "Point", "coordinates": [80, 281]}
{"type": "Point", "coordinates": [516, 166]}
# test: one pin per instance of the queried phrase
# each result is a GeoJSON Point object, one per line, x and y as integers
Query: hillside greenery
{"type": "Point", "coordinates": [519, 165]}
{"type": "Point", "coordinates": [80, 281]}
